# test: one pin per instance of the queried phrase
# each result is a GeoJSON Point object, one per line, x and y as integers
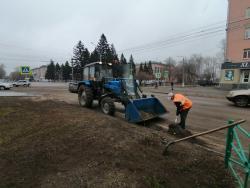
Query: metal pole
{"type": "Point", "coordinates": [72, 69]}
{"type": "Point", "coordinates": [183, 84]}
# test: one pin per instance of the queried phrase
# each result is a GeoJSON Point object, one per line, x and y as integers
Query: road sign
{"type": "Point", "coordinates": [158, 75]}
{"type": "Point", "coordinates": [25, 70]}
{"type": "Point", "coordinates": [165, 74]}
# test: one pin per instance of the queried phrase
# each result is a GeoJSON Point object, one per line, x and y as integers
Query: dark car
{"type": "Point", "coordinates": [73, 87]}
{"type": "Point", "coordinates": [207, 83]}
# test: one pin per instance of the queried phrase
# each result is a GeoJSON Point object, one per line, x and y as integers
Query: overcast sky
{"type": "Point", "coordinates": [35, 31]}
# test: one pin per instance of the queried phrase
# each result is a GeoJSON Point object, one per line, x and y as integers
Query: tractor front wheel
{"type": "Point", "coordinates": [108, 106]}
{"type": "Point", "coordinates": [241, 101]}
{"type": "Point", "coordinates": [85, 96]}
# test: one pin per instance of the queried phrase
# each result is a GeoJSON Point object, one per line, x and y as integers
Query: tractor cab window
{"type": "Point", "coordinates": [86, 73]}
{"type": "Point", "coordinates": [92, 73]}
{"type": "Point", "coordinates": [131, 88]}
{"type": "Point", "coordinates": [106, 72]}
{"type": "Point", "coordinates": [98, 72]}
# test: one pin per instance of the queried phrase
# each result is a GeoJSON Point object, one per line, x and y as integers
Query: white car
{"type": "Point", "coordinates": [24, 83]}
{"type": "Point", "coordinates": [5, 85]}
{"type": "Point", "coordinates": [239, 97]}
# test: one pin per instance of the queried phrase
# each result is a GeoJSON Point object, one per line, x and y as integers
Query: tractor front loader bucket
{"type": "Point", "coordinates": [139, 110]}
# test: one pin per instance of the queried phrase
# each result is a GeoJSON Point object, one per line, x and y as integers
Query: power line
{"type": "Point", "coordinates": [179, 43]}
{"type": "Point", "coordinates": [178, 40]}
{"type": "Point", "coordinates": [175, 37]}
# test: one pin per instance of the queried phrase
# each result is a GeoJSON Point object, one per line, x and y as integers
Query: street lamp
{"type": "Point", "coordinates": [72, 69]}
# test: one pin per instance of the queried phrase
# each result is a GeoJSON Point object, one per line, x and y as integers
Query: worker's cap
{"type": "Point", "coordinates": [170, 95]}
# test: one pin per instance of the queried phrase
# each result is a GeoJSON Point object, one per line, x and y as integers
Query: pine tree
{"type": "Point", "coordinates": [132, 65]}
{"type": "Point", "coordinates": [123, 60]}
{"type": "Point", "coordinates": [2, 71]}
{"type": "Point", "coordinates": [116, 68]}
{"type": "Point", "coordinates": [104, 50]}
{"type": "Point", "coordinates": [94, 57]}
{"type": "Point", "coordinates": [81, 58]}
{"type": "Point", "coordinates": [62, 68]}
{"type": "Point", "coordinates": [50, 73]}
{"type": "Point", "coordinates": [57, 71]}
{"type": "Point", "coordinates": [114, 54]}
{"type": "Point", "coordinates": [145, 68]}
{"type": "Point", "coordinates": [86, 56]}
{"type": "Point", "coordinates": [150, 69]}
{"type": "Point", "coordinates": [66, 71]}
{"type": "Point", "coordinates": [141, 68]}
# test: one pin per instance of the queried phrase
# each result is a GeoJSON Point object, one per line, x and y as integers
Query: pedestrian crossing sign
{"type": "Point", "coordinates": [25, 70]}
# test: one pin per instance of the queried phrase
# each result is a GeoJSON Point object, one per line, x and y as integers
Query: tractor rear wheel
{"type": "Point", "coordinates": [108, 106]}
{"type": "Point", "coordinates": [85, 96]}
{"type": "Point", "coordinates": [241, 101]}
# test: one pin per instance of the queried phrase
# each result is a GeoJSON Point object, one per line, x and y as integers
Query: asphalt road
{"type": "Point", "coordinates": [210, 110]}
{"type": "Point", "coordinates": [210, 107]}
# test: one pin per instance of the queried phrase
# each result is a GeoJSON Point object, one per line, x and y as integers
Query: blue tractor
{"type": "Point", "coordinates": [100, 85]}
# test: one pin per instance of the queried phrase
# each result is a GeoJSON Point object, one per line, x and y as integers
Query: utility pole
{"type": "Point", "coordinates": [72, 69]}
{"type": "Point", "coordinates": [183, 73]}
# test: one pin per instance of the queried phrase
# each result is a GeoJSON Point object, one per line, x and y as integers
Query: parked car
{"type": "Point", "coordinates": [207, 83]}
{"type": "Point", "coordinates": [239, 97]}
{"type": "Point", "coordinates": [5, 85]}
{"type": "Point", "coordinates": [73, 86]}
{"type": "Point", "coordinates": [24, 83]}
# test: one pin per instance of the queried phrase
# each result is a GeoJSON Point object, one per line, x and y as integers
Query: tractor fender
{"type": "Point", "coordinates": [103, 96]}
{"type": "Point", "coordinates": [85, 83]}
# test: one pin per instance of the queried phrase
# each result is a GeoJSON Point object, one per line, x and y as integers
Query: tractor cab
{"type": "Point", "coordinates": [97, 71]}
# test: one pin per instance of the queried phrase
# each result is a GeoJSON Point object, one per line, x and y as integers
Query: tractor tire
{"type": "Point", "coordinates": [241, 101]}
{"type": "Point", "coordinates": [85, 96]}
{"type": "Point", "coordinates": [108, 106]}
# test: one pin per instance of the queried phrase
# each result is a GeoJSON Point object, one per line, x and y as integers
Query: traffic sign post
{"type": "Point", "coordinates": [158, 75]}
{"type": "Point", "coordinates": [165, 75]}
{"type": "Point", "coordinates": [25, 70]}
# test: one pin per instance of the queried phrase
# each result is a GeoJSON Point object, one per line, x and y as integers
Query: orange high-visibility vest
{"type": "Point", "coordinates": [185, 102]}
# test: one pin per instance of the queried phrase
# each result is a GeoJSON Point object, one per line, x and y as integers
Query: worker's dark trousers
{"type": "Point", "coordinates": [183, 115]}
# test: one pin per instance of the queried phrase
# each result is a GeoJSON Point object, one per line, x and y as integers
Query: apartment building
{"type": "Point", "coordinates": [39, 73]}
{"type": "Point", "coordinates": [236, 68]}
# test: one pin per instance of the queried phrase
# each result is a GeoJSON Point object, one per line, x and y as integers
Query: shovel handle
{"type": "Point", "coordinates": [203, 133]}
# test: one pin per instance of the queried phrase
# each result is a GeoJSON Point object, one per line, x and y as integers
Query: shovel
{"type": "Point", "coordinates": [169, 143]}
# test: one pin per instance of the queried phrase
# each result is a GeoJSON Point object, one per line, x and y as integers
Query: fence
{"type": "Point", "coordinates": [237, 157]}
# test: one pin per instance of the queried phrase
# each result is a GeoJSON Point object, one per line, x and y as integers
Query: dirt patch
{"type": "Point", "coordinates": [54, 144]}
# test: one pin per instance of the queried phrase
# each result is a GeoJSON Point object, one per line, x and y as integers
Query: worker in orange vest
{"type": "Point", "coordinates": [183, 105]}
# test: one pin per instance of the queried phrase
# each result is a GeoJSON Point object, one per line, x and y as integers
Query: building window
{"type": "Point", "coordinates": [229, 75]}
{"type": "Point", "coordinates": [247, 33]}
{"type": "Point", "coordinates": [246, 77]}
{"type": "Point", "coordinates": [248, 12]}
{"type": "Point", "coordinates": [246, 53]}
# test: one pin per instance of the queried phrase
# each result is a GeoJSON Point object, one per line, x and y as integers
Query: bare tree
{"type": "Point", "coordinates": [143, 76]}
{"type": "Point", "coordinates": [2, 71]}
{"type": "Point", "coordinates": [15, 75]}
